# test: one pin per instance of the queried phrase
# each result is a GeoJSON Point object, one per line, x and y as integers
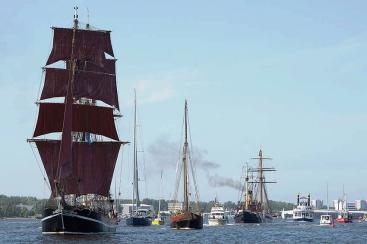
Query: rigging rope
{"type": "Point", "coordinates": [39, 167]}
{"type": "Point", "coordinates": [193, 167]}
{"type": "Point", "coordinates": [179, 163]}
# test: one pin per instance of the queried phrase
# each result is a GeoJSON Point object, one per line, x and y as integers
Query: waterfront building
{"type": "Point", "coordinates": [351, 206]}
{"type": "Point", "coordinates": [361, 204]}
{"type": "Point", "coordinates": [316, 204]}
{"type": "Point", "coordinates": [339, 204]}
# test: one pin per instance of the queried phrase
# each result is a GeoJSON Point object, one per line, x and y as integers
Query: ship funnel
{"type": "Point", "coordinates": [297, 199]}
{"type": "Point", "coordinates": [309, 199]}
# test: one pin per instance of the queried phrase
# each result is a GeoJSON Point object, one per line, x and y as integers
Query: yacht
{"type": "Point", "coordinates": [303, 211]}
{"type": "Point", "coordinates": [217, 215]}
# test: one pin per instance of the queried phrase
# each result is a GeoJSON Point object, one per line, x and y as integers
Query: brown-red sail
{"type": "Point", "coordinates": [89, 45]}
{"type": "Point", "coordinates": [85, 118]}
{"type": "Point", "coordinates": [93, 85]}
{"type": "Point", "coordinates": [80, 164]}
{"type": "Point", "coordinates": [93, 165]}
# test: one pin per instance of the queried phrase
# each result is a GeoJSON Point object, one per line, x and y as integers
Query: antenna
{"type": "Point", "coordinates": [87, 25]}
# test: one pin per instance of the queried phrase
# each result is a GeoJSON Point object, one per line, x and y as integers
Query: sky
{"type": "Point", "coordinates": [287, 77]}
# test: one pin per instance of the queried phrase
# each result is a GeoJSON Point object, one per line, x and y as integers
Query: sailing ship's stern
{"type": "Point", "coordinates": [187, 221]}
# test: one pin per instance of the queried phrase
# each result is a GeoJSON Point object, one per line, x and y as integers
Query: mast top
{"type": "Point", "coordinates": [76, 17]}
{"type": "Point", "coordinates": [87, 26]}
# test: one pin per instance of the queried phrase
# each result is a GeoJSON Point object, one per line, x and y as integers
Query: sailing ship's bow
{"type": "Point", "coordinates": [77, 221]}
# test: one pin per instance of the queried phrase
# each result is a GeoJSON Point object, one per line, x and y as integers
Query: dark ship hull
{"type": "Point", "coordinates": [248, 217]}
{"type": "Point", "coordinates": [303, 219]}
{"type": "Point", "coordinates": [76, 221]}
{"type": "Point", "coordinates": [138, 221]}
{"type": "Point", "coordinates": [187, 221]}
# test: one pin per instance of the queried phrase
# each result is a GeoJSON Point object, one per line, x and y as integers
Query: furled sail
{"type": "Point", "coordinates": [85, 118]}
{"type": "Point", "coordinates": [93, 85]}
{"type": "Point", "coordinates": [93, 165]}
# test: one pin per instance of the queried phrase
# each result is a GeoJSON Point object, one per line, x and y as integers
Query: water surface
{"type": "Point", "coordinates": [29, 231]}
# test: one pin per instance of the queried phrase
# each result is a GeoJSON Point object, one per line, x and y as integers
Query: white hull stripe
{"type": "Point", "coordinates": [80, 217]}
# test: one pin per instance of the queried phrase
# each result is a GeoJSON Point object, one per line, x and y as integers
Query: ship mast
{"type": "Point", "coordinates": [65, 152]}
{"type": "Point", "coordinates": [184, 159]}
{"type": "Point", "coordinates": [261, 194]}
{"type": "Point", "coordinates": [247, 197]}
{"type": "Point", "coordinates": [136, 199]}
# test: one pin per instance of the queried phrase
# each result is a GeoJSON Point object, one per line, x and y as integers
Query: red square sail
{"type": "Point", "coordinates": [92, 168]}
{"type": "Point", "coordinates": [85, 118]}
{"type": "Point", "coordinates": [93, 85]}
{"type": "Point", "coordinates": [89, 45]}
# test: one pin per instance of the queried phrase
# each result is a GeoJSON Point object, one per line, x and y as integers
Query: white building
{"type": "Point", "coordinates": [339, 205]}
{"type": "Point", "coordinates": [351, 206]}
{"type": "Point", "coordinates": [316, 204]}
{"type": "Point", "coordinates": [361, 204]}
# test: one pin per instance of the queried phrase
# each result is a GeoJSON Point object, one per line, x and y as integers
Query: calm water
{"type": "Point", "coordinates": [29, 231]}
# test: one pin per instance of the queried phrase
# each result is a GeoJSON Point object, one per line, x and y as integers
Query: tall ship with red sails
{"type": "Point", "coordinates": [255, 206]}
{"type": "Point", "coordinates": [186, 218]}
{"type": "Point", "coordinates": [79, 164]}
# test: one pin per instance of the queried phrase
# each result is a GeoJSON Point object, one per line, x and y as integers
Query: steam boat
{"type": "Point", "coordinates": [303, 211]}
{"type": "Point", "coordinates": [186, 218]}
{"type": "Point", "coordinates": [79, 164]}
{"type": "Point", "coordinates": [255, 207]}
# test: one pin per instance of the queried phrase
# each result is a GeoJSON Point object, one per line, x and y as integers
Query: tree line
{"type": "Point", "coordinates": [16, 206]}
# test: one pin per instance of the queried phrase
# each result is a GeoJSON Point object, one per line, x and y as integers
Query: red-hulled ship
{"type": "Point", "coordinates": [186, 218]}
{"type": "Point", "coordinates": [80, 164]}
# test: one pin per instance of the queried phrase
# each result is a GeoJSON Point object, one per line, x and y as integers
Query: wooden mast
{"type": "Point", "coordinates": [66, 135]}
{"type": "Point", "coordinates": [261, 176]}
{"type": "Point", "coordinates": [263, 198]}
{"type": "Point", "coordinates": [184, 159]}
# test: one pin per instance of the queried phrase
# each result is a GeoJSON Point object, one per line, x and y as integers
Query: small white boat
{"type": "Point", "coordinates": [217, 215]}
{"type": "Point", "coordinates": [326, 220]}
